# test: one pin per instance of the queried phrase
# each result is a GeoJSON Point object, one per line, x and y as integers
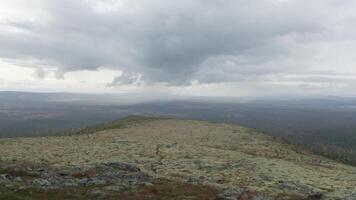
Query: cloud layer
{"type": "Point", "coordinates": [180, 42]}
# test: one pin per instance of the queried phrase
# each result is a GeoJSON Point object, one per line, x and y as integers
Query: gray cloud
{"type": "Point", "coordinates": [173, 42]}
{"type": "Point", "coordinates": [126, 79]}
{"type": "Point", "coordinates": [40, 73]}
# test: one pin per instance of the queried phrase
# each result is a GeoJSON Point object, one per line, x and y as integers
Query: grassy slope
{"type": "Point", "coordinates": [221, 154]}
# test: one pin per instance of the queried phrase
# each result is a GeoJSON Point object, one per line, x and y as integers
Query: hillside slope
{"type": "Point", "coordinates": [211, 154]}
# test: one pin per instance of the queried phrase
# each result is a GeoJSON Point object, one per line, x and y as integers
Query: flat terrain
{"type": "Point", "coordinates": [212, 154]}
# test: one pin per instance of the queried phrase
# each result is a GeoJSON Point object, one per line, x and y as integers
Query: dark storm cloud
{"type": "Point", "coordinates": [173, 42]}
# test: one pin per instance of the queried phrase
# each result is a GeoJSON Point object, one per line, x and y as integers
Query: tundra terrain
{"type": "Point", "coordinates": [146, 153]}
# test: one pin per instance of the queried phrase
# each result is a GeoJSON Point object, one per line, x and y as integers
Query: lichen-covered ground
{"type": "Point", "coordinates": [221, 155]}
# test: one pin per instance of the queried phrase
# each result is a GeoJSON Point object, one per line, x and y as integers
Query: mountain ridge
{"type": "Point", "coordinates": [189, 151]}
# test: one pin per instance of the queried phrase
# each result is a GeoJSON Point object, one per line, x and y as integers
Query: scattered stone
{"type": "Point", "coordinates": [96, 181]}
{"type": "Point", "coordinates": [99, 194]}
{"type": "Point", "coordinates": [350, 197]}
{"type": "Point", "coordinates": [148, 184]}
{"type": "Point", "coordinates": [41, 170]}
{"type": "Point", "coordinates": [123, 166]}
{"type": "Point", "coordinates": [315, 196]}
{"type": "Point", "coordinates": [285, 186]}
{"type": "Point", "coordinates": [70, 183]}
{"type": "Point", "coordinates": [7, 178]}
{"type": "Point", "coordinates": [18, 179]}
{"type": "Point", "coordinates": [265, 178]}
{"type": "Point", "coordinates": [42, 182]}
{"type": "Point", "coordinates": [22, 188]}
{"type": "Point", "coordinates": [239, 194]}
{"type": "Point", "coordinates": [102, 174]}
{"type": "Point", "coordinates": [83, 181]}
{"type": "Point", "coordinates": [63, 173]}
{"type": "Point", "coordinates": [228, 194]}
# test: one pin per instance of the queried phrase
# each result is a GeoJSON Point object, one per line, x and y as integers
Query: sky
{"type": "Point", "coordinates": [185, 47]}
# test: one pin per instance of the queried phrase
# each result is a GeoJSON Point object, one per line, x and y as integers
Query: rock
{"type": "Point", "coordinates": [350, 197]}
{"type": "Point", "coordinates": [40, 170]}
{"type": "Point", "coordinates": [285, 186]}
{"type": "Point", "coordinates": [99, 194]}
{"type": "Point", "coordinates": [148, 184]}
{"type": "Point", "coordinates": [315, 195]}
{"type": "Point", "coordinates": [7, 177]}
{"type": "Point", "coordinates": [239, 194]}
{"type": "Point", "coordinates": [95, 181]}
{"type": "Point", "coordinates": [42, 182]}
{"type": "Point", "coordinates": [123, 166]}
{"type": "Point", "coordinates": [91, 181]}
{"type": "Point", "coordinates": [121, 176]}
{"type": "Point", "coordinates": [70, 183]}
{"type": "Point", "coordinates": [23, 187]}
{"type": "Point", "coordinates": [64, 173]}
{"type": "Point", "coordinates": [18, 179]}
{"type": "Point", "coordinates": [54, 180]}
{"type": "Point", "coordinates": [83, 181]}
{"type": "Point", "coordinates": [228, 194]}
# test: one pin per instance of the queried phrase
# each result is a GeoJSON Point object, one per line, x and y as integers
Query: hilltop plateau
{"type": "Point", "coordinates": [149, 158]}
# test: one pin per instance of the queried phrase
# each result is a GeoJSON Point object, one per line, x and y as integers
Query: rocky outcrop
{"type": "Point", "coordinates": [30, 175]}
{"type": "Point", "coordinates": [104, 180]}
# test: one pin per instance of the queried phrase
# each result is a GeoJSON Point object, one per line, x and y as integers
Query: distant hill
{"type": "Point", "coordinates": [325, 125]}
{"type": "Point", "coordinates": [225, 159]}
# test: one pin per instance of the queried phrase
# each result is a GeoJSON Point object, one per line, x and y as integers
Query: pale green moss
{"type": "Point", "coordinates": [226, 155]}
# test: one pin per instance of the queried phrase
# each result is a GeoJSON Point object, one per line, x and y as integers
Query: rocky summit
{"type": "Point", "coordinates": [146, 158]}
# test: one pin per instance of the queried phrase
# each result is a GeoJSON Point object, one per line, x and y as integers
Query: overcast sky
{"type": "Point", "coordinates": [184, 47]}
